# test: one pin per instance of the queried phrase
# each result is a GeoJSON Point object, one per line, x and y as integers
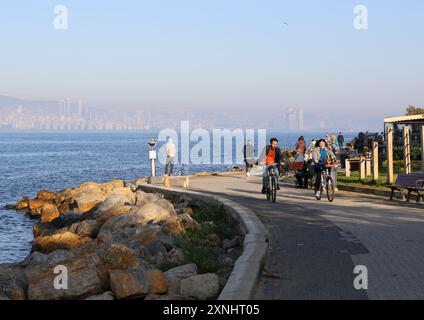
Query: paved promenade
{"type": "Point", "coordinates": [315, 246]}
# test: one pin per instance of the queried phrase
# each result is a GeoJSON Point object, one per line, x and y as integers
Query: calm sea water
{"type": "Point", "coordinates": [30, 162]}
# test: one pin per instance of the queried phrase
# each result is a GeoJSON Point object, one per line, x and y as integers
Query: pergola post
{"type": "Point", "coordinates": [422, 148]}
{"type": "Point", "coordinates": [375, 167]}
{"type": "Point", "coordinates": [407, 149]}
{"type": "Point", "coordinates": [390, 176]}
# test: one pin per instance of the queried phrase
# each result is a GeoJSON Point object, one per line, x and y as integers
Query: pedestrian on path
{"type": "Point", "coordinates": [249, 156]}
{"type": "Point", "coordinates": [171, 151]}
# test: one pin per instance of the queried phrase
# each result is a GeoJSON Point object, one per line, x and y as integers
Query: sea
{"type": "Point", "coordinates": [33, 161]}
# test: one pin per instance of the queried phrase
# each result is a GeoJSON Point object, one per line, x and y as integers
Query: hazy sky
{"type": "Point", "coordinates": [225, 54]}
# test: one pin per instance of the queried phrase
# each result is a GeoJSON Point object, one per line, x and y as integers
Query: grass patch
{"type": "Point", "coordinates": [213, 219]}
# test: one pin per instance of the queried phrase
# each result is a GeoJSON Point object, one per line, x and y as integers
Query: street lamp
{"type": "Point", "coordinates": [152, 155]}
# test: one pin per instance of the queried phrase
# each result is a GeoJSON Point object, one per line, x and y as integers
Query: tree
{"type": "Point", "coordinates": [412, 111]}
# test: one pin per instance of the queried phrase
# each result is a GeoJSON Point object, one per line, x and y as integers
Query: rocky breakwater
{"type": "Point", "coordinates": [113, 241]}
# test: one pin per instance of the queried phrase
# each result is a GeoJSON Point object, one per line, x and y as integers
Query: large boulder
{"type": "Point", "coordinates": [55, 257]}
{"type": "Point", "coordinates": [173, 226]}
{"type": "Point", "coordinates": [113, 212]}
{"type": "Point", "coordinates": [49, 212]}
{"type": "Point", "coordinates": [86, 228]}
{"type": "Point", "coordinates": [118, 256]}
{"type": "Point", "coordinates": [111, 202]}
{"type": "Point", "coordinates": [137, 282]}
{"type": "Point", "coordinates": [13, 283]}
{"type": "Point", "coordinates": [175, 275]}
{"type": "Point", "coordinates": [46, 195]}
{"type": "Point", "coordinates": [125, 192]}
{"type": "Point", "coordinates": [88, 200]}
{"type": "Point", "coordinates": [142, 198]}
{"type": "Point", "coordinates": [110, 186]}
{"type": "Point", "coordinates": [201, 286]}
{"type": "Point", "coordinates": [65, 240]}
{"type": "Point", "coordinates": [83, 280]}
{"type": "Point", "coordinates": [157, 211]}
{"type": "Point", "coordinates": [43, 229]}
{"type": "Point", "coordinates": [36, 207]}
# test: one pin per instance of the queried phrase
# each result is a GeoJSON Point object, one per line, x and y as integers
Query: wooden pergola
{"type": "Point", "coordinates": [406, 121]}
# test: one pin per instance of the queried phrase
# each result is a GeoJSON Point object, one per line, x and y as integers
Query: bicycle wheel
{"type": "Point", "coordinates": [268, 189]}
{"type": "Point", "coordinates": [274, 189]}
{"type": "Point", "coordinates": [329, 186]}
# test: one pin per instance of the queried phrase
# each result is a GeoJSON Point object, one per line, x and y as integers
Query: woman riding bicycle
{"type": "Point", "coordinates": [271, 157]}
{"type": "Point", "coordinates": [323, 157]}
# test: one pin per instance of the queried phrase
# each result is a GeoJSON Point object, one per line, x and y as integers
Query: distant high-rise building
{"type": "Point", "coordinates": [79, 108]}
{"type": "Point", "coordinates": [68, 107]}
{"type": "Point", "coordinates": [300, 118]}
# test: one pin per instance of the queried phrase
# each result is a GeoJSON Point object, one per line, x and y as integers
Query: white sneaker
{"type": "Point", "coordinates": [318, 194]}
{"type": "Point", "coordinates": [248, 174]}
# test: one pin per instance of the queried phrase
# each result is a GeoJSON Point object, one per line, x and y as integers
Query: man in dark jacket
{"type": "Point", "coordinates": [341, 140]}
{"type": "Point", "coordinates": [271, 157]}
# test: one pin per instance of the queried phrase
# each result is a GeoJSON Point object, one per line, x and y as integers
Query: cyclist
{"type": "Point", "coordinates": [321, 155]}
{"type": "Point", "coordinates": [271, 157]}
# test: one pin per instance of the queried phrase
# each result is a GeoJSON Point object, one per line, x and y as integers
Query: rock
{"type": "Point", "coordinates": [22, 204]}
{"type": "Point", "coordinates": [157, 282]}
{"type": "Point", "coordinates": [108, 295]}
{"type": "Point", "coordinates": [36, 207]}
{"type": "Point", "coordinates": [137, 282]}
{"type": "Point", "coordinates": [46, 195]}
{"type": "Point", "coordinates": [188, 221]}
{"type": "Point", "coordinates": [201, 286]}
{"type": "Point", "coordinates": [167, 241]}
{"type": "Point", "coordinates": [85, 187]}
{"type": "Point", "coordinates": [188, 211]}
{"type": "Point", "coordinates": [38, 258]}
{"type": "Point", "coordinates": [66, 240]}
{"type": "Point", "coordinates": [110, 186]}
{"type": "Point", "coordinates": [148, 233]}
{"type": "Point", "coordinates": [88, 200]}
{"type": "Point", "coordinates": [227, 244]}
{"type": "Point", "coordinates": [86, 228]}
{"type": "Point", "coordinates": [43, 229]}
{"type": "Point", "coordinates": [69, 205]}
{"type": "Point", "coordinates": [128, 283]}
{"type": "Point", "coordinates": [173, 226]}
{"type": "Point", "coordinates": [49, 212]}
{"type": "Point", "coordinates": [138, 182]}
{"type": "Point", "coordinates": [143, 198]}
{"type": "Point", "coordinates": [13, 283]}
{"type": "Point", "coordinates": [111, 202]}
{"type": "Point", "coordinates": [118, 256]}
{"type": "Point", "coordinates": [83, 280]}
{"type": "Point", "coordinates": [66, 220]}
{"type": "Point", "coordinates": [176, 255]}
{"type": "Point", "coordinates": [182, 272]}
{"type": "Point", "coordinates": [10, 207]}
{"type": "Point", "coordinates": [155, 248]}
{"type": "Point", "coordinates": [225, 260]}
{"type": "Point", "coordinates": [151, 212]}
{"type": "Point", "coordinates": [113, 212]}
{"type": "Point", "coordinates": [125, 192]}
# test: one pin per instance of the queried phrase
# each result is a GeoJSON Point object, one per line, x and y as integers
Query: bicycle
{"type": "Point", "coordinates": [271, 187]}
{"type": "Point", "coordinates": [327, 183]}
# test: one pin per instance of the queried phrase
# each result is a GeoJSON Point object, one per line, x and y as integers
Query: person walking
{"type": "Point", "coordinates": [301, 146]}
{"type": "Point", "coordinates": [249, 156]}
{"type": "Point", "coordinates": [341, 140]}
{"type": "Point", "coordinates": [171, 152]}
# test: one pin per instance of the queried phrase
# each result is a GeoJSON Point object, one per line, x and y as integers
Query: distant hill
{"type": "Point", "coordinates": [34, 106]}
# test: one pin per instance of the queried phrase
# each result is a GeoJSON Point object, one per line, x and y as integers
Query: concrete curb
{"type": "Point", "coordinates": [243, 280]}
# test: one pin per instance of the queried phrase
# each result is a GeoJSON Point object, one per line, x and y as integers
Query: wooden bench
{"type": "Point", "coordinates": [413, 182]}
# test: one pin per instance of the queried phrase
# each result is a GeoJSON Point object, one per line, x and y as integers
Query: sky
{"type": "Point", "coordinates": [228, 55]}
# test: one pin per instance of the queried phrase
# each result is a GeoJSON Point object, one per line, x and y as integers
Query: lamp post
{"type": "Point", "coordinates": [152, 155]}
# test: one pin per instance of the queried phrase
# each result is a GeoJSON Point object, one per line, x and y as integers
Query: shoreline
{"type": "Point", "coordinates": [114, 233]}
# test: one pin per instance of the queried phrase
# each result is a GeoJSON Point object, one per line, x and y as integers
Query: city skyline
{"type": "Point", "coordinates": [71, 114]}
